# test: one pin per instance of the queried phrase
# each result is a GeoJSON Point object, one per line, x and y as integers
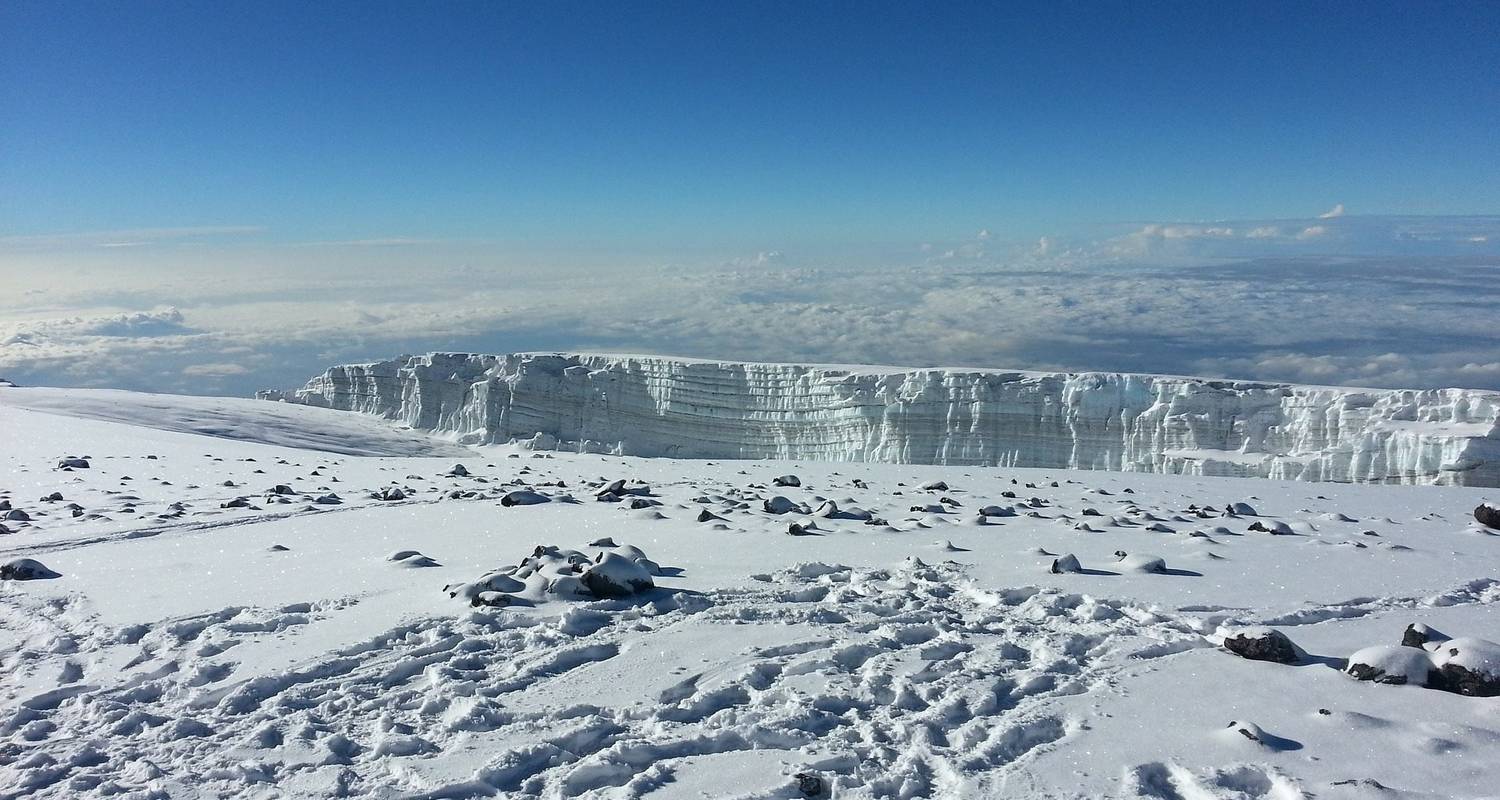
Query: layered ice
{"type": "Point", "coordinates": [686, 408]}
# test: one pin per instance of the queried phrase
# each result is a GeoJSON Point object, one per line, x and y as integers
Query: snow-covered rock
{"type": "Point", "coordinates": [26, 569]}
{"type": "Point", "coordinates": [1391, 664]}
{"type": "Point", "coordinates": [1259, 643]}
{"type": "Point", "coordinates": [663, 406]}
{"type": "Point", "coordinates": [614, 575]}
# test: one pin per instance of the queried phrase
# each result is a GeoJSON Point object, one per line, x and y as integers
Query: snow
{"type": "Point", "coordinates": [178, 653]}
{"type": "Point", "coordinates": [687, 408]}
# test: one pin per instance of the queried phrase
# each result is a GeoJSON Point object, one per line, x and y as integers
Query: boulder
{"type": "Point", "coordinates": [1488, 515]}
{"type": "Point", "coordinates": [1066, 564]}
{"type": "Point", "coordinates": [26, 569]}
{"type": "Point", "coordinates": [73, 463]}
{"type": "Point", "coordinates": [1467, 666]}
{"type": "Point", "coordinates": [523, 497]}
{"type": "Point", "coordinates": [1262, 644]}
{"type": "Point", "coordinates": [613, 575]}
{"type": "Point", "coordinates": [1391, 664]}
{"type": "Point", "coordinates": [787, 480]}
{"type": "Point", "coordinates": [1417, 635]}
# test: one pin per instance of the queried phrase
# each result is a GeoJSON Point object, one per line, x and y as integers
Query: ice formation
{"type": "Point", "coordinates": [676, 407]}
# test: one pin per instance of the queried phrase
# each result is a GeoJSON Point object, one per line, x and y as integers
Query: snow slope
{"type": "Point", "coordinates": [232, 418]}
{"type": "Point", "coordinates": [922, 654]}
{"type": "Point", "coordinates": [662, 406]}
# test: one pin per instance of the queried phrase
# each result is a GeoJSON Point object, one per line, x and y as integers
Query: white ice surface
{"type": "Point", "coordinates": [178, 654]}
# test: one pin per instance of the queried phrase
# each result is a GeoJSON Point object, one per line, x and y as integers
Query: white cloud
{"type": "Point", "coordinates": [1149, 300]}
{"type": "Point", "coordinates": [1333, 213]}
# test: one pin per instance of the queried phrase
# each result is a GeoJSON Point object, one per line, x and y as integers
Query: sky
{"type": "Point", "coordinates": [210, 197]}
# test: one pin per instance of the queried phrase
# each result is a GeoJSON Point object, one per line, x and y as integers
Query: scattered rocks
{"type": "Point", "coordinates": [1466, 666]}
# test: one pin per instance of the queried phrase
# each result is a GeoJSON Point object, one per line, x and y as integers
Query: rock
{"type": "Point", "coordinates": [278, 548]}
{"type": "Point", "coordinates": [1391, 664]}
{"type": "Point", "coordinates": [412, 559]}
{"type": "Point", "coordinates": [787, 480]}
{"type": "Point", "coordinates": [708, 516]}
{"type": "Point", "coordinates": [811, 784]}
{"type": "Point", "coordinates": [1467, 666]}
{"type": "Point", "coordinates": [523, 497]}
{"type": "Point", "coordinates": [16, 515]}
{"type": "Point", "coordinates": [780, 505]}
{"type": "Point", "coordinates": [26, 569]}
{"type": "Point", "coordinates": [1274, 527]}
{"type": "Point", "coordinates": [1417, 635]}
{"type": "Point", "coordinates": [607, 541]}
{"type": "Point", "coordinates": [73, 463]}
{"type": "Point", "coordinates": [238, 502]}
{"type": "Point", "coordinates": [934, 486]}
{"type": "Point", "coordinates": [1140, 562]}
{"type": "Point", "coordinates": [491, 599]}
{"type": "Point", "coordinates": [55, 497]}
{"type": "Point", "coordinates": [1066, 564]}
{"type": "Point", "coordinates": [613, 575]}
{"type": "Point", "coordinates": [1263, 644]}
{"type": "Point", "coordinates": [1488, 515]}
{"type": "Point", "coordinates": [329, 499]}
{"type": "Point", "coordinates": [621, 487]}
{"type": "Point", "coordinates": [458, 471]}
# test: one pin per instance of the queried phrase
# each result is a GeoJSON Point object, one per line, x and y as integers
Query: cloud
{"type": "Point", "coordinates": [1333, 213]}
{"type": "Point", "coordinates": [1165, 297]}
{"type": "Point", "coordinates": [215, 370]}
{"type": "Point", "coordinates": [134, 237]}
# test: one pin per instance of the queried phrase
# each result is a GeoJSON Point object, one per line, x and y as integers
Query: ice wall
{"type": "Point", "coordinates": [664, 406]}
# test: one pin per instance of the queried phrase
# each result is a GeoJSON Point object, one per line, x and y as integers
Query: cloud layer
{"type": "Point", "coordinates": [1155, 299]}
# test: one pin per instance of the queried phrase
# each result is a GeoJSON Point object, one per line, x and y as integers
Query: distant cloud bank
{"type": "Point", "coordinates": [1335, 299]}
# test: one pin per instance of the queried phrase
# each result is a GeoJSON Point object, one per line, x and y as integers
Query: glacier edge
{"type": "Point", "coordinates": [691, 408]}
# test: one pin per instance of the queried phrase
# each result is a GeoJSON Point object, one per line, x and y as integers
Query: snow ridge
{"type": "Point", "coordinates": [686, 408]}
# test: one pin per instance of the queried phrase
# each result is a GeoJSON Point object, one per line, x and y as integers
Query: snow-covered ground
{"type": "Point", "coordinates": [213, 635]}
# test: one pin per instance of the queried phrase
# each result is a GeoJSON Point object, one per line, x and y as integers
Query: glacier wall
{"type": "Point", "coordinates": [674, 407]}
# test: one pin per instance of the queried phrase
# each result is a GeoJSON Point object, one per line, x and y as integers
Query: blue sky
{"type": "Point", "coordinates": [661, 125]}
{"type": "Point", "coordinates": [215, 197]}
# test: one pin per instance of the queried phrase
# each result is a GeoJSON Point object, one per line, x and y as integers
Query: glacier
{"type": "Point", "coordinates": [691, 408]}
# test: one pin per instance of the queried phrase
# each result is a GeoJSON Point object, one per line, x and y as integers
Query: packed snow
{"type": "Point", "coordinates": [216, 598]}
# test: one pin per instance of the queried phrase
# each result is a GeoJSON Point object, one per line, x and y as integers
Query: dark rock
{"type": "Point", "coordinates": [25, 569]}
{"type": "Point", "coordinates": [1263, 644]}
{"type": "Point", "coordinates": [1417, 634]}
{"type": "Point", "coordinates": [787, 480]}
{"type": "Point", "coordinates": [811, 784]}
{"type": "Point", "coordinates": [1487, 515]}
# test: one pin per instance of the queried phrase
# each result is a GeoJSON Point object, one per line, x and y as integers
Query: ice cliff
{"type": "Point", "coordinates": [664, 406]}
